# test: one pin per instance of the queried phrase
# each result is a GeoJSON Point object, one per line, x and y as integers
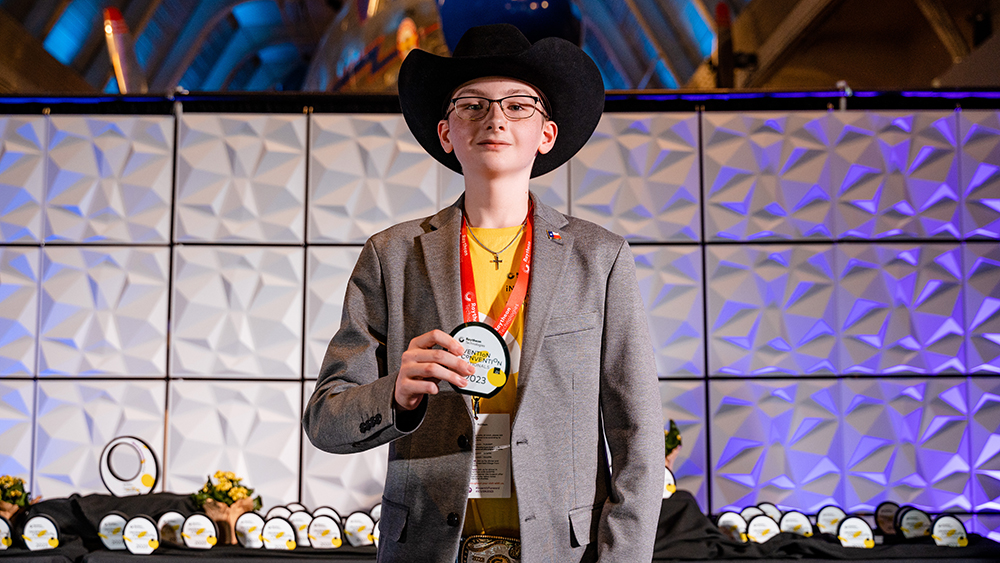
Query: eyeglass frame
{"type": "Point", "coordinates": [538, 102]}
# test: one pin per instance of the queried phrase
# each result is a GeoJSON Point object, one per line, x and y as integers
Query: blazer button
{"type": "Point", "coordinates": [453, 519]}
{"type": "Point", "coordinates": [463, 442]}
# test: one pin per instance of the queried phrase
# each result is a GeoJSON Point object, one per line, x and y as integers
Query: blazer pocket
{"type": "Point", "coordinates": [584, 523]}
{"type": "Point", "coordinates": [569, 325]}
{"type": "Point", "coordinates": [392, 521]}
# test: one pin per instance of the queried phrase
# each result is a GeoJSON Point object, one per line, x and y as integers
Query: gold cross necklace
{"type": "Point", "coordinates": [496, 254]}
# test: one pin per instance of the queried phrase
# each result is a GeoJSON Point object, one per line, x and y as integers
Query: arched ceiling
{"type": "Point", "coordinates": [267, 45]}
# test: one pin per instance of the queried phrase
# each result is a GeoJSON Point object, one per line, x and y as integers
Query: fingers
{"type": "Point", "coordinates": [423, 366]}
{"type": "Point", "coordinates": [439, 338]}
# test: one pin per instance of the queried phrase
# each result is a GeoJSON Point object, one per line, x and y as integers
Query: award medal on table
{"type": "Point", "coordinates": [118, 473]}
{"type": "Point", "coordinates": [199, 532]}
{"type": "Point", "coordinates": [733, 526]}
{"type": "Point", "coordinates": [325, 532]}
{"type": "Point", "coordinates": [40, 533]}
{"type": "Point", "coordinates": [5, 534]}
{"type": "Point", "coordinates": [249, 527]}
{"type": "Point", "coordinates": [795, 522]}
{"type": "Point", "coordinates": [141, 536]}
{"type": "Point", "coordinates": [327, 511]}
{"type": "Point", "coordinates": [914, 523]}
{"type": "Point", "coordinates": [279, 534]}
{"type": "Point", "coordinates": [358, 529]}
{"type": "Point", "coordinates": [829, 518]}
{"type": "Point", "coordinates": [885, 517]}
{"type": "Point", "coordinates": [948, 531]}
{"type": "Point", "coordinates": [278, 512]}
{"type": "Point", "coordinates": [169, 525]}
{"type": "Point", "coordinates": [669, 483]}
{"type": "Point", "coordinates": [855, 532]}
{"type": "Point", "coordinates": [111, 529]}
{"type": "Point", "coordinates": [300, 520]}
{"type": "Point", "coordinates": [762, 528]}
{"type": "Point", "coordinates": [750, 512]}
{"type": "Point", "coordinates": [484, 345]}
{"type": "Point", "coordinates": [769, 509]}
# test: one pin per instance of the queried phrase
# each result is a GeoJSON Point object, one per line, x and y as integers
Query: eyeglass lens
{"type": "Point", "coordinates": [476, 108]}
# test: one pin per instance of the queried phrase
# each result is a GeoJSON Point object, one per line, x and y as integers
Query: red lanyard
{"type": "Point", "coordinates": [470, 308]}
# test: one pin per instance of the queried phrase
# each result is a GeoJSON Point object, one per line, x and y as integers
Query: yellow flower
{"type": "Point", "coordinates": [220, 475]}
{"type": "Point", "coordinates": [238, 493]}
{"type": "Point", "coordinates": [231, 476]}
{"type": "Point", "coordinates": [15, 494]}
{"type": "Point", "coordinates": [224, 485]}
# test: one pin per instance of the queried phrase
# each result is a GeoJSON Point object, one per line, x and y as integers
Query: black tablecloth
{"type": "Point", "coordinates": [685, 534]}
{"type": "Point", "coordinates": [228, 552]}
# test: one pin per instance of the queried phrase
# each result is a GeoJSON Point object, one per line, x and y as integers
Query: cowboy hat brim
{"type": "Point", "coordinates": [567, 78]}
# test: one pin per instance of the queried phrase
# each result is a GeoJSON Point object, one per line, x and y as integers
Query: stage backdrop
{"type": "Point", "coordinates": [822, 289]}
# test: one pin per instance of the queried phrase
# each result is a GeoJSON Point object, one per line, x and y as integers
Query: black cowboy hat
{"type": "Point", "coordinates": [566, 77]}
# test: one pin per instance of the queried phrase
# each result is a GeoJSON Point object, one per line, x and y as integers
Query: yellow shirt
{"type": "Point", "coordinates": [493, 287]}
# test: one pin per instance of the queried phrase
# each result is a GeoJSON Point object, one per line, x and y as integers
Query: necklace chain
{"type": "Point", "coordinates": [496, 254]}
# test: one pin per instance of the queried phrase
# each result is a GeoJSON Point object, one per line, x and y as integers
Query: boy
{"type": "Point", "coordinates": [558, 358]}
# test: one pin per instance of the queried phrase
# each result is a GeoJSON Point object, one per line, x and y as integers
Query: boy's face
{"type": "Point", "coordinates": [495, 145]}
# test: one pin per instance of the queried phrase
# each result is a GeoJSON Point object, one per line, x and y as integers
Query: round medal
{"type": "Point", "coordinates": [855, 532]}
{"type": "Point", "coordinates": [358, 529]}
{"type": "Point", "coordinates": [733, 526]}
{"type": "Point", "coordinates": [770, 510]}
{"type": "Point", "coordinates": [749, 512]}
{"type": "Point", "coordinates": [110, 530]}
{"type": "Point", "coordinates": [324, 533]}
{"type": "Point", "coordinates": [327, 511]}
{"type": "Point", "coordinates": [762, 528]}
{"type": "Point", "coordinates": [128, 467]}
{"type": "Point", "coordinates": [279, 534]}
{"type": "Point", "coordinates": [376, 512]}
{"type": "Point", "coordinates": [829, 518]}
{"type": "Point", "coordinates": [669, 483]}
{"type": "Point", "coordinates": [169, 525]}
{"type": "Point", "coordinates": [949, 531]}
{"type": "Point", "coordinates": [914, 523]}
{"type": "Point", "coordinates": [296, 507]}
{"type": "Point", "coordinates": [198, 532]}
{"type": "Point", "coordinates": [885, 515]}
{"type": "Point", "coordinates": [486, 350]}
{"type": "Point", "coordinates": [300, 521]}
{"type": "Point", "coordinates": [796, 523]}
{"type": "Point", "coordinates": [40, 533]}
{"type": "Point", "coordinates": [5, 534]}
{"type": "Point", "coordinates": [278, 512]}
{"type": "Point", "coordinates": [141, 537]}
{"type": "Point", "coordinates": [249, 527]}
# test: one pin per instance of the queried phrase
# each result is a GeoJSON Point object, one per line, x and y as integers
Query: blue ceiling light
{"type": "Point", "coordinates": [257, 13]}
{"type": "Point", "coordinates": [68, 35]}
{"type": "Point", "coordinates": [699, 28]}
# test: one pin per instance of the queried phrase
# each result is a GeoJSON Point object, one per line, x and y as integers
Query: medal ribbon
{"type": "Point", "coordinates": [470, 308]}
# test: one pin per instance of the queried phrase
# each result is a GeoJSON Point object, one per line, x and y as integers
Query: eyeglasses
{"type": "Point", "coordinates": [515, 108]}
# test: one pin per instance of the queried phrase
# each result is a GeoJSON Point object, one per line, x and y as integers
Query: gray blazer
{"type": "Point", "coordinates": [586, 348]}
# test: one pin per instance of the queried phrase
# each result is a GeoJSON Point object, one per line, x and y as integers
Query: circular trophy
{"type": "Point", "coordinates": [325, 533]}
{"type": "Point", "coordinates": [486, 350]}
{"type": "Point", "coordinates": [198, 532]}
{"type": "Point", "coordinates": [278, 512]}
{"type": "Point", "coordinates": [885, 516]}
{"type": "Point", "coordinates": [376, 512]}
{"type": "Point", "coordinates": [300, 520]}
{"type": "Point", "coordinates": [141, 536]}
{"type": "Point", "coordinates": [855, 532]}
{"type": "Point", "coordinates": [796, 523]}
{"type": "Point", "coordinates": [762, 528]}
{"type": "Point", "coordinates": [5, 534]}
{"type": "Point", "coordinates": [278, 534]}
{"type": "Point", "coordinates": [327, 511]}
{"type": "Point", "coordinates": [128, 467]}
{"type": "Point", "coordinates": [914, 523]}
{"type": "Point", "coordinates": [733, 526]}
{"type": "Point", "coordinates": [358, 529]}
{"type": "Point", "coordinates": [948, 531]}
{"type": "Point", "coordinates": [829, 518]}
{"type": "Point", "coordinates": [249, 527]}
{"type": "Point", "coordinates": [749, 512]}
{"type": "Point", "coordinates": [669, 483]}
{"type": "Point", "coordinates": [111, 529]}
{"type": "Point", "coordinates": [40, 533]}
{"type": "Point", "coordinates": [899, 515]}
{"type": "Point", "coordinates": [169, 525]}
{"type": "Point", "coordinates": [770, 510]}
{"type": "Point", "coordinates": [376, 533]}
{"type": "Point", "coordinates": [296, 507]}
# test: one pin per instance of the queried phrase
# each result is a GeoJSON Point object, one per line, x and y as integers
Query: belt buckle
{"type": "Point", "coordinates": [482, 548]}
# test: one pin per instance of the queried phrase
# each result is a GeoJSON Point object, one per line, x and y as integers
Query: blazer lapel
{"type": "Point", "coordinates": [440, 248]}
{"type": "Point", "coordinates": [548, 262]}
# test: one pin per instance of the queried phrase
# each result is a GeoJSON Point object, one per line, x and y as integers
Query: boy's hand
{"type": "Point", "coordinates": [423, 366]}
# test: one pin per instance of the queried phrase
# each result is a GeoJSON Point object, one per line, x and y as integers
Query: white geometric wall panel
{"type": "Point", "coordinates": [366, 173]}
{"type": "Point", "coordinates": [241, 178]}
{"type": "Point", "coordinates": [109, 179]}
{"type": "Point", "coordinates": [552, 188]}
{"type": "Point", "coordinates": [984, 524]}
{"type": "Point", "coordinates": [771, 309]}
{"type": "Point", "coordinates": [237, 311]}
{"type": "Point", "coordinates": [900, 308]}
{"type": "Point", "coordinates": [684, 403]}
{"type": "Point", "coordinates": [670, 283]}
{"type": "Point", "coordinates": [638, 176]}
{"type": "Point", "coordinates": [22, 169]}
{"type": "Point", "coordinates": [980, 135]}
{"type": "Point", "coordinates": [328, 270]}
{"type": "Point", "coordinates": [905, 440]}
{"type": "Point", "coordinates": [18, 309]}
{"type": "Point", "coordinates": [767, 175]}
{"type": "Point", "coordinates": [776, 441]}
{"type": "Point", "coordinates": [345, 482]}
{"type": "Point", "coordinates": [76, 419]}
{"type": "Point", "coordinates": [984, 414]}
{"type": "Point", "coordinates": [103, 311]}
{"type": "Point", "coordinates": [247, 427]}
{"type": "Point", "coordinates": [896, 174]}
{"type": "Point", "coordinates": [982, 306]}
{"type": "Point", "coordinates": [17, 411]}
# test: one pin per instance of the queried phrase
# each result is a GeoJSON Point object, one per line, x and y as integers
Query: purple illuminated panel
{"type": "Point", "coordinates": [684, 403]}
{"type": "Point", "coordinates": [906, 440]}
{"type": "Point", "coordinates": [670, 283]}
{"type": "Point", "coordinates": [771, 310]}
{"type": "Point", "coordinates": [984, 424]}
{"type": "Point", "coordinates": [776, 441]}
{"type": "Point", "coordinates": [895, 175]}
{"type": "Point", "coordinates": [980, 134]}
{"type": "Point", "coordinates": [767, 176]}
{"type": "Point", "coordinates": [900, 308]}
{"type": "Point", "coordinates": [982, 306]}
